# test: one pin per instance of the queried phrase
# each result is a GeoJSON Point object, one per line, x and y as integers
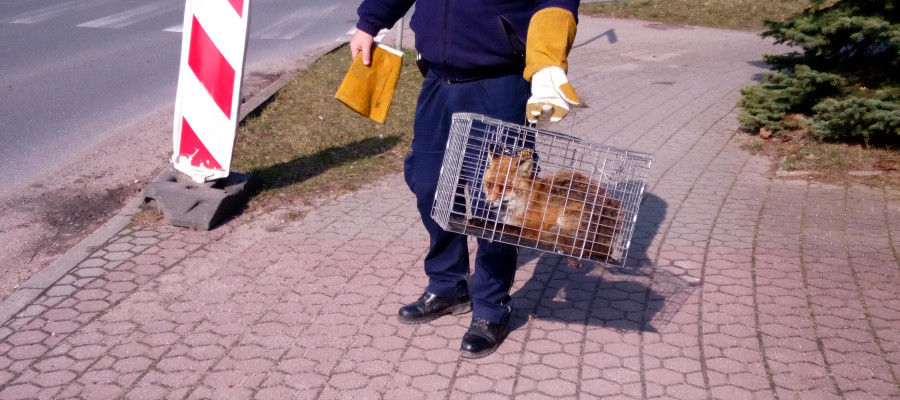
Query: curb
{"type": "Point", "coordinates": [29, 290]}
{"type": "Point", "coordinates": [25, 294]}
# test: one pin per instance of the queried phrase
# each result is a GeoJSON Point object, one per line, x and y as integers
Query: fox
{"type": "Point", "coordinates": [566, 210]}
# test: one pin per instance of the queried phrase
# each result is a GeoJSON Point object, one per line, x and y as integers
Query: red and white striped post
{"type": "Point", "coordinates": [213, 48]}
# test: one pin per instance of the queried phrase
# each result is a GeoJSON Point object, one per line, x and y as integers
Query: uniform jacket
{"type": "Point", "coordinates": [462, 34]}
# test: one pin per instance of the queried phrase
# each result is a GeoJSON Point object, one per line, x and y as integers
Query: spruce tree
{"type": "Point", "coordinates": [846, 79]}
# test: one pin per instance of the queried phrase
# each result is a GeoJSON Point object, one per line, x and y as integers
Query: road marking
{"type": "Point", "coordinates": [175, 28]}
{"type": "Point", "coordinates": [381, 34]}
{"type": "Point", "coordinates": [293, 24]}
{"type": "Point", "coordinates": [351, 32]}
{"type": "Point", "coordinates": [125, 18]}
{"type": "Point", "coordinates": [44, 14]}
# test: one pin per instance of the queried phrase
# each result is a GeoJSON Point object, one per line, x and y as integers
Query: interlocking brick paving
{"type": "Point", "coordinates": [739, 286]}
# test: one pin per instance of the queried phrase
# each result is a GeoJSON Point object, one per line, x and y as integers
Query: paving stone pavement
{"type": "Point", "coordinates": [739, 286]}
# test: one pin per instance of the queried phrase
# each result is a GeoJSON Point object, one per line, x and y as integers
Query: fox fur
{"type": "Point", "coordinates": [566, 210]}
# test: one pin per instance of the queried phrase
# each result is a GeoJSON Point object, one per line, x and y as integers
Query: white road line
{"type": "Point", "coordinates": [293, 24]}
{"type": "Point", "coordinates": [349, 33]}
{"type": "Point", "coordinates": [381, 34]}
{"type": "Point", "coordinates": [175, 28]}
{"type": "Point", "coordinates": [378, 37]}
{"type": "Point", "coordinates": [45, 13]}
{"type": "Point", "coordinates": [125, 18]}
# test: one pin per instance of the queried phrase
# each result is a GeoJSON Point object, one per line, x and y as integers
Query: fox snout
{"type": "Point", "coordinates": [497, 203]}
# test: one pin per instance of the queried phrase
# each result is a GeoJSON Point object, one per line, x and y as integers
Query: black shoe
{"type": "Point", "coordinates": [430, 307]}
{"type": "Point", "coordinates": [483, 338]}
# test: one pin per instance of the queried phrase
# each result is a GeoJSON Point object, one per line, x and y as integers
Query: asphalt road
{"type": "Point", "coordinates": [74, 71]}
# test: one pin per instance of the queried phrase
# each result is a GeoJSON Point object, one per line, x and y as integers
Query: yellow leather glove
{"type": "Point", "coordinates": [550, 36]}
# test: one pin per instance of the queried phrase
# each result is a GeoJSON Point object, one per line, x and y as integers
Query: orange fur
{"type": "Point", "coordinates": [566, 210]}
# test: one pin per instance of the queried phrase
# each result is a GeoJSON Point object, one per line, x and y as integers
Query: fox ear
{"type": "Point", "coordinates": [526, 165]}
{"type": "Point", "coordinates": [526, 161]}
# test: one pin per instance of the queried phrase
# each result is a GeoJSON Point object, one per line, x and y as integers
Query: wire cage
{"type": "Point", "coordinates": [538, 189]}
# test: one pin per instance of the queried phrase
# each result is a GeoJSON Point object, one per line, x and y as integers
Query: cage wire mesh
{"type": "Point", "coordinates": [538, 189]}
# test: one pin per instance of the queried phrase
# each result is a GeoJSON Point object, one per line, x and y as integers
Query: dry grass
{"type": "Point", "coordinates": [148, 215]}
{"type": "Point", "coordinates": [304, 146]}
{"type": "Point", "coordinates": [730, 14]}
{"type": "Point", "coordinates": [829, 162]}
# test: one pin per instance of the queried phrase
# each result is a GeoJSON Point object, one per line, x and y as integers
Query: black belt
{"type": "Point", "coordinates": [457, 75]}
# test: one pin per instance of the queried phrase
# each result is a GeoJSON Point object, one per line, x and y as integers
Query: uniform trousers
{"type": "Point", "coordinates": [447, 260]}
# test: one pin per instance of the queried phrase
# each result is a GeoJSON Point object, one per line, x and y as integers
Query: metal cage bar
{"type": "Point", "coordinates": [539, 189]}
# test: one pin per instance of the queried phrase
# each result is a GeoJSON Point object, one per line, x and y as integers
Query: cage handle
{"type": "Point", "coordinates": [571, 134]}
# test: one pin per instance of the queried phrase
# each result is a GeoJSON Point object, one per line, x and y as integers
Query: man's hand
{"type": "Point", "coordinates": [551, 94]}
{"type": "Point", "coordinates": [363, 42]}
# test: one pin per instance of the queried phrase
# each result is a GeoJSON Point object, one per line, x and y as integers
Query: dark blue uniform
{"type": "Point", "coordinates": [475, 65]}
{"type": "Point", "coordinates": [461, 34]}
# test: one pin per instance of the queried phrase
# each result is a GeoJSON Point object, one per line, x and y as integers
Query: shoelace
{"type": "Point", "coordinates": [482, 328]}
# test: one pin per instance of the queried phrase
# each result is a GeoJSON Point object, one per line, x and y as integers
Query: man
{"type": "Point", "coordinates": [472, 51]}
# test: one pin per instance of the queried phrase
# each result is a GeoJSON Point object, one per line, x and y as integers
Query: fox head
{"type": "Point", "coordinates": [504, 173]}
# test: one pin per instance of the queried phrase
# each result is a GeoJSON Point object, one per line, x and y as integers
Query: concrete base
{"type": "Point", "coordinates": [200, 206]}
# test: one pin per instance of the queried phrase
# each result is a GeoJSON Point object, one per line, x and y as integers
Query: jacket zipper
{"type": "Point", "coordinates": [446, 23]}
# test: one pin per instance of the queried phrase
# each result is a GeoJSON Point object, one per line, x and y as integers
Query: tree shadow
{"type": "Point", "coordinates": [305, 167]}
{"type": "Point", "coordinates": [760, 64]}
{"type": "Point", "coordinates": [761, 76]}
{"type": "Point", "coordinates": [604, 295]}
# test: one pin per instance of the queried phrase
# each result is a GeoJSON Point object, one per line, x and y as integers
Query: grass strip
{"type": "Point", "coordinates": [835, 163]}
{"type": "Point", "coordinates": [729, 14]}
{"type": "Point", "coordinates": [305, 146]}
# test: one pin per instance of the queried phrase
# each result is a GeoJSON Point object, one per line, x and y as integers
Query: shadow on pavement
{"type": "Point", "coordinates": [651, 215]}
{"type": "Point", "coordinates": [557, 292]}
{"type": "Point", "coordinates": [610, 35]}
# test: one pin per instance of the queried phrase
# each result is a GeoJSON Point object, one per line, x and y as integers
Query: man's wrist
{"type": "Point", "coordinates": [366, 27]}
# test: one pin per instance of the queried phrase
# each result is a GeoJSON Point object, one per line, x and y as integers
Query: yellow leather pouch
{"type": "Point", "coordinates": [368, 89]}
